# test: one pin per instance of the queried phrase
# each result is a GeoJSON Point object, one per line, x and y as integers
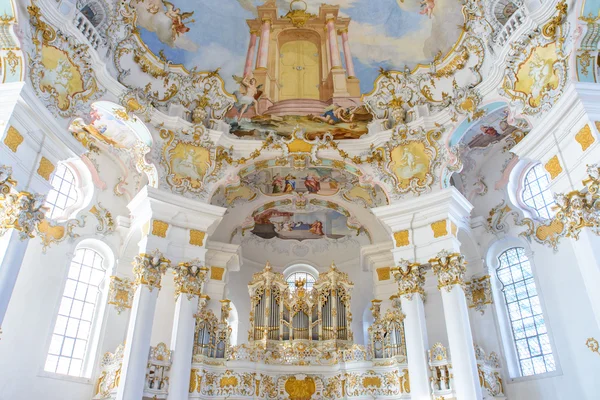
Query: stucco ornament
{"type": "Point", "coordinates": [149, 268]}
{"type": "Point", "coordinates": [120, 293]}
{"type": "Point", "coordinates": [450, 269]}
{"type": "Point", "coordinates": [189, 278]}
{"type": "Point", "coordinates": [21, 211]}
{"type": "Point", "coordinates": [410, 278]}
{"type": "Point", "coordinates": [479, 293]}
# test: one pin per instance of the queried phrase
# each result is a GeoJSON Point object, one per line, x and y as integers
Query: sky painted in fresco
{"type": "Point", "coordinates": [382, 34]}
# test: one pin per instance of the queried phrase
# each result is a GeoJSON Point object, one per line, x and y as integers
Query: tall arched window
{"type": "Point", "coordinates": [77, 321]}
{"type": "Point", "coordinates": [529, 333]}
{"type": "Point", "coordinates": [536, 193]}
{"type": "Point", "coordinates": [63, 194]}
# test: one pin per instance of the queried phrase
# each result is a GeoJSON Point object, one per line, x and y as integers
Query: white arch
{"type": "Point", "coordinates": [233, 322]}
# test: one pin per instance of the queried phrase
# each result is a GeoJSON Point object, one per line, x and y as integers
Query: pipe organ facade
{"type": "Point", "coordinates": [284, 313]}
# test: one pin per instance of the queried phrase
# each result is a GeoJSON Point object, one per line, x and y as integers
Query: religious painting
{"type": "Point", "coordinates": [282, 224]}
{"type": "Point", "coordinates": [489, 130]}
{"type": "Point", "coordinates": [61, 79]}
{"type": "Point", "coordinates": [537, 76]}
{"type": "Point", "coordinates": [298, 63]}
{"type": "Point", "coordinates": [368, 196]}
{"type": "Point", "coordinates": [284, 181]}
{"type": "Point", "coordinates": [189, 162]}
{"type": "Point", "coordinates": [409, 161]}
{"type": "Point", "coordinates": [113, 125]}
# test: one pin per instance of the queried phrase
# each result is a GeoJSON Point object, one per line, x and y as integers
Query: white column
{"type": "Point", "coordinates": [415, 332]}
{"type": "Point", "coordinates": [411, 278]}
{"type": "Point", "coordinates": [148, 270]}
{"type": "Point", "coordinates": [13, 248]}
{"type": "Point", "coordinates": [182, 345]}
{"type": "Point", "coordinates": [587, 253]}
{"type": "Point", "coordinates": [450, 269]}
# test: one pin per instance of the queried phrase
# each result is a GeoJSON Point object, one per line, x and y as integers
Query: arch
{"type": "Point", "coordinates": [300, 267]}
{"type": "Point", "coordinates": [233, 322]}
{"type": "Point", "coordinates": [466, 125]}
{"type": "Point", "coordinates": [516, 187]}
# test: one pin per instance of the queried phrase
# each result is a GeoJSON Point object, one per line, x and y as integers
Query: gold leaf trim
{"type": "Point", "coordinates": [13, 139]}
{"type": "Point", "coordinates": [45, 168]}
{"type": "Point", "coordinates": [585, 138]}
{"type": "Point", "coordinates": [553, 167]}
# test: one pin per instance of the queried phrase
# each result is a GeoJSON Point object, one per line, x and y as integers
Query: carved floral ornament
{"type": "Point", "coordinates": [189, 278]}
{"type": "Point", "coordinates": [410, 278]}
{"type": "Point", "coordinates": [149, 268]}
{"type": "Point", "coordinates": [450, 269]}
{"type": "Point", "coordinates": [479, 293]}
{"type": "Point", "coordinates": [120, 293]}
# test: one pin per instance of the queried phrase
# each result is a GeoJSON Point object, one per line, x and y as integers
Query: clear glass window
{"type": "Point", "coordinates": [530, 335]}
{"type": "Point", "coordinates": [536, 193]}
{"type": "Point", "coordinates": [63, 194]}
{"type": "Point", "coordinates": [305, 277]}
{"type": "Point", "coordinates": [74, 323]}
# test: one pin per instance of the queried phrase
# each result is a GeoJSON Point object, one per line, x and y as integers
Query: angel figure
{"type": "Point", "coordinates": [178, 19]}
{"type": "Point", "coordinates": [247, 95]}
{"type": "Point", "coordinates": [427, 7]}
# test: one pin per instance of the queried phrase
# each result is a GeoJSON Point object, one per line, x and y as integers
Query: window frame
{"type": "Point", "coordinates": [521, 192]}
{"type": "Point", "coordinates": [300, 267]}
{"type": "Point", "coordinates": [83, 185]}
{"type": "Point", "coordinates": [502, 318]}
{"type": "Point", "coordinates": [97, 326]}
{"type": "Point", "coordinates": [68, 210]}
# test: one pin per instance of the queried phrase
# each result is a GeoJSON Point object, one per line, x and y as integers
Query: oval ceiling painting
{"type": "Point", "coordinates": [112, 124]}
{"type": "Point", "coordinates": [300, 63]}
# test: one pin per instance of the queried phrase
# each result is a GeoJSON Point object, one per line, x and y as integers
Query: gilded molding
{"type": "Point", "coordinates": [189, 278]}
{"type": "Point", "coordinates": [479, 293]}
{"type": "Point", "coordinates": [159, 228]}
{"type": "Point", "coordinates": [217, 273]}
{"type": "Point", "coordinates": [585, 137]}
{"type": "Point", "coordinates": [401, 238]}
{"type": "Point", "coordinates": [120, 293]}
{"type": "Point", "coordinates": [440, 228]}
{"type": "Point", "coordinates": [450, 269]}
{"type": "Point", "coordinates": [21, 211]}
{"type": "Point", "coordinates": [553, 167]}
{"type": "Point", "coordinates": [106, 224]}
{"type": "Point", "coordinates": [593, 345]}
{"type": "Point", "coordinates": [148, 269]}
{"type": "Point", "coordinates": [13, 139]}
{"type": "Point", "coordinates": [197, 237]}
{"type": "Point", "coordinates": [410, 278]}
{"type": "Point", "coordinates": [52, 232]}
{"type": "Point", "coordinates": [45, 168]}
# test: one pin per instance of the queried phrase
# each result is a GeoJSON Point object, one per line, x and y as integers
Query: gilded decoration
{"type": "Point", "coordinates": [536, 69]}
{"type": "Point", "coordinates": [401, 238]}
{"type": "Point", "coordinates": [553, 167]}
{"type": "Point", "coordinates": [55, 232]}
{"type": "Point", "coordinates": [585, 137]}
{"type": "Point", "coordinates": [22, 211]}
{"type": "Point", "coordinates": [450, 269]}
{"type": "Point", "coordinates": [149, 268]}
{"type": "Point", "coordinates": [410, 278]}
{"type": "Point", "coordinates": [120, 293]}
{"type": "Point", "coordinates": [490, 372]}
{"type": "Point", "coordinates": [60, 68]}
{"type": "Point", "coordinates": [110, 375]}
{"type": "Point", "coordinates": [190, 278]}
{"type": "Point", "coordinates": [217, 273]}
{"type": "Point", "coordinates": [106, 223]}
{"type": "Point", "coordinates": [45, 168]}
{"type": "Point", "coordinates": [159, 228]}
{"type": "Point", "coordinates": [580, 209]}
{"type": "Point", "coordinates": [13, 139]}
{"type": "Point", "coordinates": [593, 345]}
{"type": "Point", "coordinates": [479, 293]}
{"type": "Point", "coordinates": [197, 237]}
{"type": "Point", "coordinates": [383, 274]}
{"type": "Point", "coordinates": [440, 228]}
{"type": "Point", "coordinates": [300, 389]}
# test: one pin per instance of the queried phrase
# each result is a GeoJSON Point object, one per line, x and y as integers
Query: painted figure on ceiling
{"type": "Point", "coordinates": [312, 183]}
{"type": "Point", "coordinates": [178, 18]}
{"type": "Point", "coordinates": [278, 184]}
{"type": "Point", "coordinates": [335, 114]}
{"type": "Point", "coordinates": [247, 95]}
{"type": "Point", "coordinates": [290, 183]}
{"type": "Point", "coordinates": [317, 228]}
{"type": "Point", "coordinates": [427, 7]}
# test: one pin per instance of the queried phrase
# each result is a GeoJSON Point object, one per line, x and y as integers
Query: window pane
{"type": "Point", "coordinates": [63, 194]}
{"type": "Point", "coordinates": [525, 313]}
{"type": "Point", "coordinates": [536, 193]}
{"type": "Point", "coordinates": [69, 344]}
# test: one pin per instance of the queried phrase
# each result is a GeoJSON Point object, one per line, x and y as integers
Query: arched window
{"type": "Point", "coordinates": [63, 194]}
{"type": "Point", "coordinates": [536, 193]}
{"type": "Point", "coordinates": [305, 277]}
{"type": "Point", "coordinates": [77, 321]}
{"type": "Point", "coordinates": [526, 319]}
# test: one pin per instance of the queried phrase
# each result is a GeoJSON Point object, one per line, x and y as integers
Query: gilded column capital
{"type": "Point", "coordinates": [148, 269]}
{"type": "Point", "coordinates": [189, 278]}
{"type": "Point", "coordinates": [410, 278]}
{"type": "Point", "coordinates": [6, 181]}
{"type": "Point", "coordinates": [450, 269]}
{"type": "Point", "coordinates": [580, 209]}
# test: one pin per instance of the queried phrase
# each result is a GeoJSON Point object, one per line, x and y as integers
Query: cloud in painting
{"type": "Point", "coordinates": [447, 17]}
{"type": "Point", "coordinates": [213, 56]}
{"type": "Point", "coordinates": [151, 16]}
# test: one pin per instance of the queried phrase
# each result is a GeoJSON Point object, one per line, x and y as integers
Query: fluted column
{"type": "Point", "coordinates": [148, 270]}
{"type": "Point", "coordinates": [263, 49]}
{"type": "Point", "coordinates": [347, 53]}
{"type": "Point", "coordinates": [411, 278]}
{"type": "Point", "coordinates": [251, 53]}
{"type": "Point", "coordinates": [189, 279]}
{"type": "Point", "coordinates": [450, 269]}
{"type": "Point", "coordinates": [336, 62]}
